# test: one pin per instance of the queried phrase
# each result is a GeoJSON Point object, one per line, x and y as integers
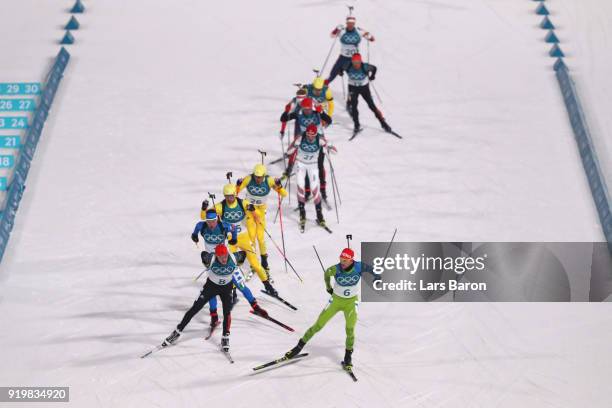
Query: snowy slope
{"type": "Point", "coordinates": [160, 100]}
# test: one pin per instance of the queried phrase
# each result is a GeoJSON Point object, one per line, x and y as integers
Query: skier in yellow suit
{"type": "Point", "coordinates": [233, 210]}
{"type": "Point", "coordinates": [258, 186]}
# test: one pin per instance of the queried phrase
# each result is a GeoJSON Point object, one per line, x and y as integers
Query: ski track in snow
{"type": "Point", "coordinates": [161, 99]}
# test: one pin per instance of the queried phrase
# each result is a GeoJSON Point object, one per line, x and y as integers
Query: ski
{"type": "Point", "coordinates": [228, 355]}
{"type": "Point", "coordinates": [155, 350]}
{"type": "Point", "coordinates": [349, 370]}
{"type": "Point", "coordinates": [355, 133]}
{"type": "Point", "coordinates": [211, 330]}
{"type": "Point", "coordinates": [326, 228]}
{"type": "Point", "coordinates": [393, 133]}
{"type": "Point", "coordinates": [273, 320]}
{"type": "Point", "coordinates": [279, 361]}
{"type": "Point", "coordinates": [281, 299]}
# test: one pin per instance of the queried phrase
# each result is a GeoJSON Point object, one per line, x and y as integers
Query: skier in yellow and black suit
{"type": "Point", "coordinates": [258, 186]}
{"type": "Point", "coordinates": [233, 210]}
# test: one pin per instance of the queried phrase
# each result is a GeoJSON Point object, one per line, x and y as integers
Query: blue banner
{"type": "Point", "coordinates": [20, 88]}
{"type": "Point", "coordinates": [13, 122]}
{"type": "Point", "coordinates": [17, 105]}
{"type": "Point", "coordinates": [30, 139]}
{"type": "Point", "coordinates": [597, 183]}
{"type": "Point", "coordinates": [10, 142]}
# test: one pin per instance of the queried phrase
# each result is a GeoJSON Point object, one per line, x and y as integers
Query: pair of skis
{"type": "Point", "coordinates": [212, 328]}
{"type": "Point", "coordinates": [281, 362]}
{"type": "Point", "coordinates": [390, 131]}
{"type": "Point", "coordinates": [302, 227]}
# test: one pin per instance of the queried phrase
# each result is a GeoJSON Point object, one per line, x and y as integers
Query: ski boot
{"type": "Point", "coordinates": [264, 262]}
{"type": "Point", "coordinates": [320, 219]}
{"type": "Point", "coordinates": [385, 125]}
{"type": "Point", "coordinates": [348, 359]}
{"type": "Point", "coordinates": [269, 276]}
{"type": "Point", "coordinates": [258, 310]}
{"type": "Point", "coordinates": [296, 350]}
{"type": "Point", "coordinates": [269, 288]}
{"type": "Point", "coordinates": [225, 343]}
{"type": "Point", "coordinates": [172, 338]}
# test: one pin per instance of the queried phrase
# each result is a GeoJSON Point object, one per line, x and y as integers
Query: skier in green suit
{"type": "Point", "coordinates": [344, 298]}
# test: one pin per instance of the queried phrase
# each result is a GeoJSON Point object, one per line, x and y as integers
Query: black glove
{"type": "Point", "coordinates": [330, 291]}
{"type": "Point", "coordinates": [206, 258]}
{"type": "Point", "coordinates": [372, 77]}
{"type": "Point", "coordinates": [234, 240]}
{"type": "Point", "coordinates": [251, 207]}
{"type": "Point", "coordinates": [204, 205]}
{"type": "Point", "coordinates": [238, 182]}
{"type": "Point", "coordinates": [194, 237]}
{"type": "Point", "coordinates": [284, 117]}
{"type": "Point", "coordinates": [278, 182]}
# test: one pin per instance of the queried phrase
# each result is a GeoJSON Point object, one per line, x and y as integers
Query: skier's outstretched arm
{"type": "Point", "coordinates": [369, 269]}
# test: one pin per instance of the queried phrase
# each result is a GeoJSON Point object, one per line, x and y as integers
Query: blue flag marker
{"type": "Point", "coordinates": [20, 88]}
{"type": "Point", "coordinates": [17, 105]}
{"type": "Point", "coordinates": [7, 162]}
{"type": "Point", "coordinates": [10, 142]}
{"type": "Point", "coordinates": [73, 24]}
{"type": "Point", "coordinates": [13, 122]}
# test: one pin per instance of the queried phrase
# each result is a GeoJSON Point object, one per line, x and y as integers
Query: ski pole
{"type": "Point", "coordinates": [329, 53]}
{"type": "Point", "coordinates": [277, 247]}
{"type": "Point", "coordinates": [349, 237]}
{"type": "Point", "coordinates": [343, 91]}
{"type": "Point", "coordinates": [212, 198]}
{"type": "Point", "coordinates": [334, 181]}
{"type": "Point", "coordinates": [376, 92]}
{"type": "Point", "coordinates": [390, 243]}
{"type": "Point", "coordinates": [333, 187]}
{"type": "Point", "coordinates": [283, 255]}
{"type": "Point", "coordinates": [289, 175]}
{"type": "Point", "coordinates": [201, 273]}
{"type": "Point", "coordinates": [263, 154]}
{"type": "Point", "coordinates": [333, 177]}
{"type": "Point", "coordinates": [280, 210]}
{"type": "Point", "coordinates": [319, 258]}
